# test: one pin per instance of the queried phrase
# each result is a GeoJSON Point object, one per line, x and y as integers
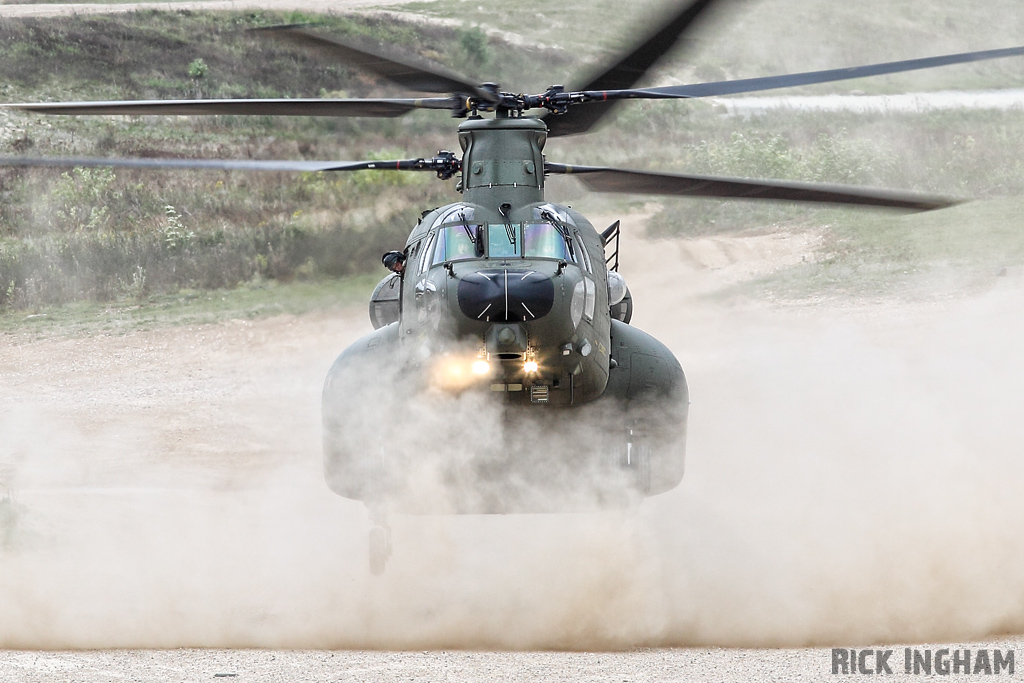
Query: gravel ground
{"type": "Point", "coordinates": [171, 497]}
{"type": "Point", "coordinates": [699, 665]}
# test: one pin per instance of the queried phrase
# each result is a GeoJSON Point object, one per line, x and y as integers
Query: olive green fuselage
{"type": "Point", "coordinates": [503, 165]}
{"type": "Point", "coordinates": [508, 294]}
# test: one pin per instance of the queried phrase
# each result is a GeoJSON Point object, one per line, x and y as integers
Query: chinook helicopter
{"type": "Point", "coordinates": [506, 295]}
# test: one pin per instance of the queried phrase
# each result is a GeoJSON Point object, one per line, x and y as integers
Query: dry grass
{"type": "Point", "coordinates": [106, 235]}
{"type": "Point", "coordinates": [130, 235]}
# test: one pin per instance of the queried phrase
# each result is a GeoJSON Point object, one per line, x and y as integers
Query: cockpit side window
{"type": "Point", "coordinates": [439, 248]}
{"type": "Point", "coordinates": [427, 243]}
{"type": "Point", "coordinates": [584, 253]}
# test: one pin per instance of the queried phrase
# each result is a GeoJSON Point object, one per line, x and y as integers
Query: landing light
{"type": "Point", "coordinates": [530, 366]}
{"type": "Point", "coordinates": [481, 367]}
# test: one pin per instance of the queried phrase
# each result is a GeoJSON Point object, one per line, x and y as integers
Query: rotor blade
{"type": "Point", "coordinates": [627, 71]}
{"type": "Point", "coordinates": [603, 179]}
{"type": "Point", "coordinates": [422, 77]}
{"type": "Point", "coordinates": [219, 164]}
{"type": "Point", "coordinates": [276, 107]}
{"type": "Point", "coordinates": [808, 78]}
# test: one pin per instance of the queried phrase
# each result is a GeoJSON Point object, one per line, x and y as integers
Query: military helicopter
{"type": "Point", "coordinates": [506, 295]}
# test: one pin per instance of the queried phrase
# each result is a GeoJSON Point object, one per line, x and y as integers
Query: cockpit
{"type": "Point", "coordinates": [462, 241]}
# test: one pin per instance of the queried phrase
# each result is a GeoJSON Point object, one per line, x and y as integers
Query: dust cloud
{"type": "Point", "coordinates": [851, 476]}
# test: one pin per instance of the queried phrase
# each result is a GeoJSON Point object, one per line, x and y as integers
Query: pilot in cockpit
{"type": "Point", "coordinates": [461, 245]}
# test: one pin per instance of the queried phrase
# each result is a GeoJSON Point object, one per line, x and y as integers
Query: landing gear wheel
{"type": "Point", "coordinates": [380, 547]}
{"type": "Point", "coordinates": [638, 459]}
{"type": "Point", "coordinates": [642, 467]}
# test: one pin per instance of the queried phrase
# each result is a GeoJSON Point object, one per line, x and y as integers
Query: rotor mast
{"type": "Point", "coordinates": [503, 161]}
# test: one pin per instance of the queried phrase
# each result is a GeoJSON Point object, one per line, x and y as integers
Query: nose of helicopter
{"type": "Point", "coordinates": [504, 295]}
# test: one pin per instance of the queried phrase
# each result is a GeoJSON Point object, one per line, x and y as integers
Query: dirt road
{"type": "Point", "coordinates": [64, 9]}
{"type": "Point", "coordinates": [881, 104]}
{"type": "Point", "coordinates": [848, 484]}
{"type": "Point", "coordinates": [700, 665]}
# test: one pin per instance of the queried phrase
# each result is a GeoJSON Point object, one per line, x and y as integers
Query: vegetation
{"type": "Point", "coordinates": [111, 240]}
{"type": "Point", "coordinates": [966, 154]}
{"type": "Point", "coordinates": [107, 235]}
{"type": "Point", "coordinates": [256, 298]}
{"type": "Point", "coordinates": [765, 38]}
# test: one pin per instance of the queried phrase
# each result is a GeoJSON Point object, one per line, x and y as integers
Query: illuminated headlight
{"type": "Point", "coordinates": [481, 367]}
{"type": "Point", "coordinates": [454, 368]}
{"type": "Point", "coordinates": [530, 366]}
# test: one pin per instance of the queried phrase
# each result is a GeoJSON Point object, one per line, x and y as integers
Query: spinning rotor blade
{"type": "Point", "coordinates": [808, 78]}
{"type": "Point", "coordinates": [421, 77]}
{"type": "Point", "coordinates": [435, 164]}
{"type": "Point", "coordinates": [626, 72]}
{"type": "Point", "coordinates": [278, 107]}
{"type": "Point", "coordinates": [603, 179]}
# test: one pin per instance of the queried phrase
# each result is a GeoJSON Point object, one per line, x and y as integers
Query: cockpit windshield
{"type": "Point", "coordinates": [543, 240]}
{"type": "Point", "coordinates": [458, 243]}
{"type": "Point", "coordinates": [503, 240]}
{"type": "Point", "coordinates": [462, 241]}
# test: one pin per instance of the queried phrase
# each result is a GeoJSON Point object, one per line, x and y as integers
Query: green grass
{"type": "Point", "coordinates": [75, 235]}
{"type": "Point", "coordinates": [926, 256]}
{"type": "Point", "coordinates": [189, 307]}
{"type": "Point", "coordinates": [764, 38]}
{"type": "Point", "coordinates": [965, 155]}
{"type": "Point", "coordinates": [88, 250]}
